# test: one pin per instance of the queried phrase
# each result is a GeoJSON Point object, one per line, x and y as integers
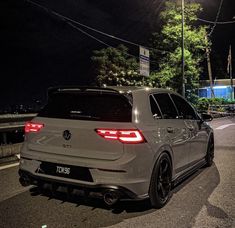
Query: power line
{"type": "Point", "coordinates": [77, 28]}
{"type": "Point", "coordinates": [106, 34]}
{"type": "Point", "coordinates": [89, 35]}
{"type": "Point", "coordinates": [67, 20]}
{"type": "Point", "coordinates": [98, 31]}
{"type": "Point", "coordinates": [100, 41]}
{"type": "Point", "coordinates": [70, 22]}
{"type": "Point", "coordinates": [82, 31]}
{"type": "Point", "coordinates": [217, 23]}
{"type": "Point", "coordinates": [93, 29]}
{"type": "Point", "coordinates": [159, 7]}
{"type": "Point", "coordinates": [217, 17]}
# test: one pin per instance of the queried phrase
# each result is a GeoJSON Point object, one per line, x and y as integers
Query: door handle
{"type": "Point", "coordinates": [170, 129]}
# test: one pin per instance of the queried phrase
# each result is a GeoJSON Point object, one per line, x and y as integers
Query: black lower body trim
{"type": "Point", "coordinates": [31, 179]}
{"type": "Point", "coordinates": [189, 172]}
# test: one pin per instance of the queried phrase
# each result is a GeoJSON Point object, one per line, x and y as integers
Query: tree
{"type": "Point", "coordinates": [167, 72]}
{"type": "Point", "coordinates": [114, 66]}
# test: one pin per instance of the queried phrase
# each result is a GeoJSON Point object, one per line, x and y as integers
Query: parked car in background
{"type": "Point", "coordinates": [117, 143]}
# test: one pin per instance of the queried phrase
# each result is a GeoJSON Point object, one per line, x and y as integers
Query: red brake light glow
{"type": "Point", "coordinates": [33, 127]}
{"type": "Point", "coordinates": [124, 136]}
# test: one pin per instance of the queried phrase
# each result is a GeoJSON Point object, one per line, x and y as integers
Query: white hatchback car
{"type": "Point", "coordinates": [116, 143]}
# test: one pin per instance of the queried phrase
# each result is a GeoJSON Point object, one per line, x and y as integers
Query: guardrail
{"type": "Point", "coordinates": [10, 150]}
{"type": "Point", "coordinates": [11, 122]}
{"type": "Point", "coordinates": [5, 118]}
{"type": "Point", "coordinates": [11, 127]}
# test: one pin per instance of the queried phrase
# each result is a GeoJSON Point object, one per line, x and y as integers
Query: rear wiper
{"type": "Point", "coordinates": [84, 116]}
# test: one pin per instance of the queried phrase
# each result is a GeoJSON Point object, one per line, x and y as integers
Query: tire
{"type": "Point", "coordinates": [210, 152]}
{"type": "Point", "coordinates": [160, 184]}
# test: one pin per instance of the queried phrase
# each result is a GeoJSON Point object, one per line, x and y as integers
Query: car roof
{"type": "Point", "coordinates": [144, 89]}
{"type": "Point", "coordinates": [79, 88]}
{"type": "Point", "coordinates": [110, 89]}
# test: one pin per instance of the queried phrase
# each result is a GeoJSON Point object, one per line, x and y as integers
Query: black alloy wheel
{"type": "Point", "coordinates": [210, 153]}
{"type": "Point", "coordinates": [160, 186]}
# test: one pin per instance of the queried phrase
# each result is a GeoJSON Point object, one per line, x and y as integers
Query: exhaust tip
{"type": "Point", "coordinates": [111, 197]}
{"type": "Point", "coordinates": [24, 181]}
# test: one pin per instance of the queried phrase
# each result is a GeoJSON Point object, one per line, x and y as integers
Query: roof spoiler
{"type": "Point", "coordinates": [52, 90]}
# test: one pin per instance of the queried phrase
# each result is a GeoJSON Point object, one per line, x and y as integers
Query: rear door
{"type": "Point", "coordinates": [198, 134]}
{"type": "Point", "coordinates": [173, 131]}
{"type": "Point", "coordinates": [70, 122]}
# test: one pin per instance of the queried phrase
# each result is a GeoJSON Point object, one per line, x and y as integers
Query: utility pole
{"type": "Point", "coordinates": [209, 69]}
{"type": "Point", "coordinates": [182, 46]}
{"type": "Point", "coordinates": [231, 72]}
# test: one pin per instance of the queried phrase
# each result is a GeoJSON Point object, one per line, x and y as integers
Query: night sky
{"type": "Point", "coordinates": [39, 50]}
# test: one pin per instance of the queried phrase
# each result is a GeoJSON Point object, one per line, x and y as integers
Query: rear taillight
{"type": "Point", "coordinates": [32, 127]}
{"type": "Point", "coordinates": [124, 136]}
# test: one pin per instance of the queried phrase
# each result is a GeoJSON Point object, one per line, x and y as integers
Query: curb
{"type": "Point", "coordinates": [11, 159]}
{"type": "Point", "coordinates": [221, 114]}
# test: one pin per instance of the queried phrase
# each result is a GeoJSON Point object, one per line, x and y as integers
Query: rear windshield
{"type": "Point", "coordinates": [88, 106]}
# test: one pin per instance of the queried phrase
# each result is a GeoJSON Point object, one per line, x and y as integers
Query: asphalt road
{"type": "Point", "coordinates": [206, 199]}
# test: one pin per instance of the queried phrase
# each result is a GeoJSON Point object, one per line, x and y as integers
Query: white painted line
{"type": "Point", "coordinates": [9, 166]}
{"type": "Point", "coordinates": [18, 156]}
{"type": "Point", "coordinates": [225, 126]}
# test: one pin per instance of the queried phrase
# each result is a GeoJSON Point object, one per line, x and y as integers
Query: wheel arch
{"type": "Point", "coordinates": [159, 200]}
{"type": "Point", "coordinates": [164, 149]}
{"type": "Point", "coordinates": [211, 136]}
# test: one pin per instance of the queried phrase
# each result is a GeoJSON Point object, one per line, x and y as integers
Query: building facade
{"type": "Point", "coordinates": [222, 89]}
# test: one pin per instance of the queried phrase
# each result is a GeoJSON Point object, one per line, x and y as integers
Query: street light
{"type": "Point", "coordinates": [182, 46]}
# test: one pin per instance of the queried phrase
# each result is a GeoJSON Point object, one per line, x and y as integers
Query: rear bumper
{"type": "Point", "coordinates": [128, 172]}
{"type": "Point", "coordinates": [27, 178]}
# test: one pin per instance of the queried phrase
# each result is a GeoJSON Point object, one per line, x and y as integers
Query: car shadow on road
{"type": "Point", "coordinates": [128, 206]}
{"type": "Point", "coordinates": [189, 195]}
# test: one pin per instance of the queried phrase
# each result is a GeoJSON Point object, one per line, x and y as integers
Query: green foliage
{"type": "Point", "coordinates": [113, 66]}
{"type": "Point", "coordinates": [203, 104]}
{"type": "Point", "coordinates": [215, 104]}
{"type": "Point", "coordinates": [168, 71]}
{"type": "Point", "coordinates": [228, 101]}
{"type": "Point", "coordinates": [216, 101]}
{"type": "Point", "coordinates": [220, 109]}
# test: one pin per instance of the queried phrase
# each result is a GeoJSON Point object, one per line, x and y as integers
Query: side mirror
{"type": "Point", "coordinates": [206, 117]}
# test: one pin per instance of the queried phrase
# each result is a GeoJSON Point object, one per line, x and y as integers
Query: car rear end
{"type": "Point", "coordinates": [85, 139]}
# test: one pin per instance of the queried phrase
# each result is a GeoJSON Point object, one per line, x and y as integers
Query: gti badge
{"type": "Point", "coordinates": [67, 135]}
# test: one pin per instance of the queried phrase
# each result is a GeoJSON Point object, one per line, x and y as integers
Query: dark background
{"type": "Point", "coordinates": [39, 50]}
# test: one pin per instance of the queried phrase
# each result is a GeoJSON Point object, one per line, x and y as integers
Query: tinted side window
{"type": "Point", "coordinates": [185, 110]}
{"type": "Point", "coordinates": [154, 108]}
{"type": "Point", "coordinates": [166, 105]}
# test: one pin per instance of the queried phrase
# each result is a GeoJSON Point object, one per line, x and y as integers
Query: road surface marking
{"type": "Point", "coordinates": [14, 193]}
{"type": "Point", "coordinates": [224, 126]}
{"type": "Point", "coordinates": [9, 166]}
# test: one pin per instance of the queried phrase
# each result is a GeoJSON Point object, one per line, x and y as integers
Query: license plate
{"type": "Point", "coordinates": [63, 170]}
{"type": "Point", "coordinates": [67, 171]}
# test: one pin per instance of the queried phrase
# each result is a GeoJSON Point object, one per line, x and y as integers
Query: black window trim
{"type": "Point", "coordinates": [177, 117]}
{"type": "Point", "coordinates": [152, 95]}
{"type": "Point", "coordinates": [182, 117]}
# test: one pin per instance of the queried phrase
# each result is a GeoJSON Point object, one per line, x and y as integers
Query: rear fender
{"type": "Point", "coordinates": [168, 150]}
